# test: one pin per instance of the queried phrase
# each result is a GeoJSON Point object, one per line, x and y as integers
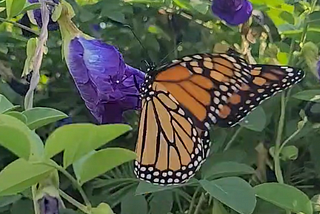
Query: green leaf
{"type": "Point", "coordinates": [289, 153]}
{"type": "Point", "coordinates": [316, 203]}
{"type": "Point", "coordinates": [228, 191]}
{"type": "Point", "coordinates": [256, 120]}
{"type": "Point", "coordinates": [25, 205]}
{"type": "Point", "coordinates": [31, 48]}
{"type": "Point", "coordinates": [79, 139]}
{"type": "Point", "coordinates": [116, 16]}
{"type": "Point", "coordinates": [200, 6]}
{"type": "Point", "coordinates": [7, 200]}
{"type": "Point", "coordinates": [314, 18]}
{"type": "Point", "coordinates": [145, 187]}
{"type": "Point", "coordinates": [224, 169]}
{"type": "Point", "coordinates": [5, 104]}
{"type": "Point", "coordinates": [102, 208]}
{"type": "Point", "coordinates": [14, 7]}
{"type": "Point", "coordinates": [91, 166]}
{"type": "Point", "coordinates": [218, 208]}
{"type": "Point", "coordinates": [288, 17]}
{"type": "Point", "coordinates": [132, 204]}
{"type": "Point", "coordinates": [20, 174]}
{"type": "Point", "coordinates": [78, 165]}
{"type": "Point", "coordinates": [39, 116]}
{"type": "Point", "coordinates": [17, 115]}
{"type": "Point", "coordinates": [161, 202]}
{"type": "Point", "coordinates": [86, 16]}
{"type": "Point", "coordinates": [183, 4]}
{"type": "Point", "coordinates": [35, 143]}
{"type": "Point", "coordinates": [30, 7]}
{"type": "Point", "coordinates": [308, 95]}
{"type": "Point", "coordinates": [15, 140]}
{"type": "Point", "coordinates": [286, 197]}
{"type": "Point", "coordinates": [56, 13]}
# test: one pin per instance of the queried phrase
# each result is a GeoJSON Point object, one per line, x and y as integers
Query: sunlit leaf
{"type": "Point", "coordinates": [14, 7]}
{"type": "Point", "coordinates": [40, 116]}
{"type": "Point", "coordinates": [21, 174]}
{"type": "Point", "coordinates": [79, 139]}
{"type": "Point", "coordinates": [5, 104]}
{"type": "Point", "coordinates": [91, 166]}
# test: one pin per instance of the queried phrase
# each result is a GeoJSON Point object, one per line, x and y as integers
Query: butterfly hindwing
{"type": "Point", "coordinates": [170, 147]}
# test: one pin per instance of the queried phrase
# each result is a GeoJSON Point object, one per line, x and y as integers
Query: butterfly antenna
{"type": "Point", "coordinates": [172, 51]}
{"type": "Point", "coordinates": [148, 64]}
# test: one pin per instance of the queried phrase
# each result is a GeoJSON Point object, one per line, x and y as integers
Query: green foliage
{"type": "Point", "coordinates": [34, 166]}
{"type": "Point", "coordinates": [78, 139]}
{"type": "Point", "coordinates": [102, 208]}
{"type": "Point", "coordinates": [14, 7]}
{"type": "Point", "coordinates": [228, 190]}
{"type": "Point", "coordinates": [5, 104]}
{"type": "Point", "coordinates": [21, 174]}
{"type": "Point", "coordinates": [285, 196]}
{"type": "Point", "coordinates": [39, 117]}
{"type": "Point", "coordinates": [256, 120]}
{"type": "Point", "coordinates": [90, 167]}
{"type": "Point", "coordinates": [224, 169]}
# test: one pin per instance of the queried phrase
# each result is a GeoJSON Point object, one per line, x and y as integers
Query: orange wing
{"type": "Point", "coordinates": [181, 99]}
{"type": "Point", "coordinates": [222, 89]}
{"type": "Point", "coordinates": [170, 148]}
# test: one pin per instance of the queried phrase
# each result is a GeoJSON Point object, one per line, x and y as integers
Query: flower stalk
{"type": "Point", "coordinates": [37, 58]}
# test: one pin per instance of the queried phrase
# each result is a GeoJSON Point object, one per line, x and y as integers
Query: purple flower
{"type": "Point", "coordinates": [234, 12]}
{"type": "Point", "coordinates": [49, 205]}
{"type": "Point", "coordinates": [105, 82]}
{"type": "Point", "coordinates": [38, 18]}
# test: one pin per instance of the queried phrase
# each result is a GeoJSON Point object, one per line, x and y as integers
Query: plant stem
{"type": "Point", "coordinates": [292, 136]}
{"type": "Point", "coordinates": [193, 200]}
{"type": "Point", "coordinates": [38, 55]}
{"type": "Point", "coordinates": [200, 202]}
{"type": "Point", "coordinates": [73, 201]}
{"type": "Point", "coordinates": [277, 166]}
{"type": "Point", "coordinates": [292, 44]}
{"type": "Point", "coordinates": [35, 203]}
{"type": "Point", "coordinates": [19, 25]}
{"type": "Point", "coordinates": [73, 181]}
{"type": "Point", "coordinates": [235, 135]}
{"type": "Point", "coordinates": [77, 185]}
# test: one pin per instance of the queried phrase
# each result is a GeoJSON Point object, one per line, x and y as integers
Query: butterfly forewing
{"type": "Point", "coordinates": [225, 87]}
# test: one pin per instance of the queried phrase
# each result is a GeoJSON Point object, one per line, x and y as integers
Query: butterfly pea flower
{"type": "Point", "coordinates": [106, 83]}
{"type": "Point", "coordinates": [233, 12]}
{"type": "Point", "coordinates": [49, 205]}
{"type": "Point", "coordinates": [36, 18]}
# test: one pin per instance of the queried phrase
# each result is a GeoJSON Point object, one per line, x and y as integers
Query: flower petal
{"type": "Point", "coordinates": [107, 85]}
{"type": "Point", "coordinates": [236, 13]}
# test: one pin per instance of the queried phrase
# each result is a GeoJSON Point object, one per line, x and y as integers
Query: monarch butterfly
{"type": "Point", "coordinates": [181, 99]}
